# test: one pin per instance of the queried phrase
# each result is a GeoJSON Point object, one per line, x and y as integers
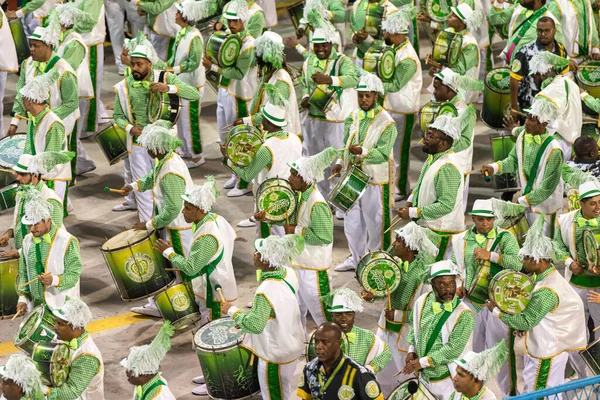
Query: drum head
{"type": "Point", "coordinates": [242, 144]}
{"type": "Point", "coordinates": [439, 10]}
{"type": "Point", "coordinates": [377, 273]}
{"type": "Point", "coordinates": [588, 73]}
{"type": "Point", "coordinates": [590, 248]}
{"type": "Point", "coordinates": [276, 197]}
{"type": "Point", "coordinates": [11, 148]}
{"type": "Point", "coordinates": [498, 80]}
{"type": "Point", "coordinates": [219, 334]}
{"type": "Point", "coordinates": [455, 49]}
{"type": "Point", "coordinates": [511, 291]}
{"type": "Point", "coordinates": [29, 324]}
{"type": "Point", "coordinates": [387, 64]}
{"type": "Point", "coordinates": [155, 104]}
{"type": "Point", "coordinates": [124, 239]}
{"type": "Point", "coordinates": [55, 354]}
{"type": "Point", "coordinates": [230, 50]}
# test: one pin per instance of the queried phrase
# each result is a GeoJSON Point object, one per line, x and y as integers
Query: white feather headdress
{"type": "Point", "coordinates": [37, 89]}
{"type": "Point", "coordinates": [203, 196]}
{"type": "Point", "coordinates": [449, 125]}
{"type": "Point", "coordinates": [485, 365]}
{"type": "Point", "coordinates": [145, 360]}
{"type": "Point", "coordinates": [312, 168]}
{"type": "Point", "coordinates": [279, 251]}
{"type": "Point", "coordinates": [319, 6]}
{"type": "Point", "coordinates": [194, 11]}
{"type": "Point", "coordinates": [544, 109]}
{"type": "Point", "coordinates": [43, 163]}
{"type": "Point", "coordinates": [399, 21]}
{"type": "Point", "coordinates": [370, 83]}
{"type": "Point", "coordinates": [142, 40]}
{"type": "Point", "coordinates": [544, 61]}
{"type": "Point", "coordinates": [75, 312]}
{"type": "Point", "coordinates": [537, 245]}
{"type": "Point", "coordinates": [69, 13]}
{"type": "Point", "coordinates": [21, 370]}
{"type": "Point", "coordinates": [156, 137]}
{"type": "Point", "coordinates": [49, 34]}
{"type": "Point", "coordinates": [269, 47]}
{"type": "Point", "coordinates": [419, 239]}
{"type": "Point", "coordinates": [37, 209]}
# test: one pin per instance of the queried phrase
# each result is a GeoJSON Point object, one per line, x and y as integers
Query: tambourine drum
{"type": "Point", "coordinates": [178, 305]}
{"type": "Point", "coordinates": [311, 352]}
{"type": "Point", "coordinates": [501, 30]}
{"type": "Point", "coordinates": [518, 226]}
{"type": "Point", "coordinates": [591, 356]}
{"type": "Point", "coordinates": [323, 98]}
{"type": "Point", "coordinates": [20, 39]}
{"type": "Point", "coordinates": [276, 198]}
{"type": "Point", "coordinates": [9, 271]}
{"type": "Point", "coordinates": [377, 272]}
{"type": "Point", "coordinates": [137, 269]}
{"type": "Point", "coordinates": [411, 389]}
{"type": "Point", "coordinates": [590, 247]}
{"type": "Point", "coordinates": [496, 97]}
{"type": "Point", "coordinates": [223, 48]}
{"type": "Point", "coordinates": [113, 143]}
{"type": "Point", "coordinates": [381, 61]}
{"type": "Point", "coordinates": [439, 10]}
{"type": "Point", "coordinates": [230, 370]}
{"type": "Point", "coordinates": [588, 77]}
{"type": "Point", "coordinates": [349, 189]}
{"type": "Point", "coordinates": [163, 106]}
{"type": "Point", "coordinates": [501, 147]}
{"type": "Point", "coordinates": [296, 12]}
{"type": "Point", "coordinates": [511, 291]}
{"type": "Point", "coordinates": [431, 110]}
{"type": "Point", "coordinates": [242, 143]}
{"type": "Point", "coordinates": [52, 360]}
{"type": "Point", "coordinates": [447, 48]}
{"type": "Point", "coordinates": [373, 20]}
{"type": "Point", "coordinates": [478, 292]}
{"type": "Point", "coordinates": [11, 148]}
{"type": "Point", "coordinates": [37, 327]}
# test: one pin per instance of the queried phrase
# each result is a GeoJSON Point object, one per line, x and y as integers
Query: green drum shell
{"type": "Point", "coordinates": [20, 39]}
{"type": "Point", "coordinates": [478, 292]}
{"type": "Point", "coordinates": [439, 10]}
{"type": "Point", "coordinates": [590, 247]}
{"type": "Point", "coordinates": [380, 61]}
{"type": "Point", "coordinates": [278, 194]}
{"type": "Point", "coordinates": [52, 361]}
{"type": "Point", "coordinates": [591, 356]}
{"type": "Point", "coordinates": [296, 12]}
{"type": "Point", "coordinates": [178, 305]}
{"type": "Point", "coordinates": [9, 271]}
{"type": "Point", "coordinates": [447, 48]}
{"type": "Point", "coordinates": [323, 98]}
{"type": "Point", "coordinates": [431, 110]}
{"type": "Point", "coordinates": [226, 366]}
{"type": "Point", "coordinates": [401, 392]}
{"type": "Point", "coordinates": [223, 49]}
{"type": "Point", "coordinates": [8, 197]}
{"type": "Point", "coordinates": [518, 226]}
{"type": "Point", "coordinates": [242, 144]}
{"type": "Point", "coordinates": [501, 30]}
{"type": "Point", "coordinates": [113, 143]}
{"type": "Point", "coordinates": [122, 260]}
{"type": "Point", "coordinates": [520, 287]}
{"type": "Point", "coordinates": [36, 327]}
{"type": "Point", "coordinates": [349, 189]}
{"type": "Point", "coordinates": [386, 268]}
{"type": "Point", "coordinates": [496, 97]}
{"type": "Point", "coordinates": [373, 20]}
{"type": "Point", "coordinates": [588, 78]}
{"type": "Point", "coordinates": [158, 107]}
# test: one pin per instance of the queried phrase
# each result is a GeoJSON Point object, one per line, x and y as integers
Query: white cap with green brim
{"type": "Point", "coordinates": [275, 115]}
{"type": "Point", "coordinates": [443, 268]}
{"type": "Point", "coordinates": [482, 208]}
{"type": "Point", "coordinates": [22, 166]}
{"type": "Point", "coordinates": [324, 34]}
{"type": "Point", "coordinates": [236, 9]}
{"type": "Point", "coordinates": [370, 83]}
{"type": "Point", "coordinates": [45, 35]}
{"type": "Point", "coordinates": [75, 312]}
{"type": "Point", "coordinates": [345, 300]}
{"type": "Point", "coordinates": [140, 52]}
{"type": "Point", "coordinates": [588, 189]}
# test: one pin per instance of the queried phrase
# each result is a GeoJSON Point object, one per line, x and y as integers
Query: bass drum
{"type": "Point", "coordinates": [431, 110]}
{"type": "Point", "coordinates": [243, 142]}
{"type": "Point", "coordinates": [588, 77]}
{"type": "Point", "coordinates": [381, 61]}
{"type": "Point", "coordinates": [37, 327]}
{"type": "Point", "coordinates": [223, 49]}
{"type": "Point", "coordinates": [113, 143]}
{"type": "Point", "coordinates": [178, 305]}
{"type": "Point", "coordinates": [447, 48]}
{"type": "Point", "coordinates": [52, 360]}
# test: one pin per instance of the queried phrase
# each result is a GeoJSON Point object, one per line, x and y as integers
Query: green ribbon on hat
{"type": "Point", "coordinates": [581, 222]}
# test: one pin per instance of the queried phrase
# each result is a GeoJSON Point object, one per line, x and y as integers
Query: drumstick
{"type": "Point", "coordinates": [218, 289]}
{"type": "Point", "coordinates": [389, 298]}
{"type": "Point", "coordinates": [487, 176]}
{"type": "Point", "coordinates": [30, 282]}
{"type": "Point", "coordinates": [344, 149]}
{"type": "Point", "coordinates": [333, 176]}
{"type": "Point", "coordinates": [107, 189]}
{"type": "Point", "coordinates": [172, 269]}
{"type": "Point", "coordinates": [7, 170]}
{"type": "Point", "coordinates": [15, 316]}
{"type": "Point", "coordinates": [596, 328]}
{"type": "Point", "coordinates": [394, 222]}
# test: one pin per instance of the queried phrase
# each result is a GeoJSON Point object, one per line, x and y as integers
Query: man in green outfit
{"type": "Point", "coordinates": [366, 25]}
{"type": "Point", "coordinates": [20, 379]}
{"type": "Point", "coordinates": [587, 44]}
{"type": "Point", "coordinates": [255, 24]}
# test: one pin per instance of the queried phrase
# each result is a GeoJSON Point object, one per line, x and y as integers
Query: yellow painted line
{"type": "Point", "coordinates": [93, 327]}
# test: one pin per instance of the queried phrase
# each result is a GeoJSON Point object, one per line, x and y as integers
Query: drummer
{"type": "Point", "coordinates": [131, 114]}
{"type": "Point", "coordinates": [20, 379]}
{"type": "Point", "coordinates": [255, 23]}
{"type": "Point", "coordinates": [86, 375]}
{"type": "Point", "coordinates": [8, 63]}
{"type": "Point", "coordinates": [402, 93]}
{"type": "Point", "coordinates": [554, 319]}
{"type": "Point", "coordinates": [238, 83]}
{"type": "Point", "coordinates": [588, 44]}
{"type": "Point", "coordinates": [369, 135]}
{"type": "Point", "coordinates": [274, 317]}
{"type": "Point", "coordinates": [58, 250]}
{"type": "Point", "coordinates": [425, 354]}
{"type": "Point", "coordinates": [359, 24]}
{"type": "Point", "coordinates": [278, 149]}
{"type": "Point", "coordinates": [316, 14]}
{"type": "Point", "coordinates": [142, 367]}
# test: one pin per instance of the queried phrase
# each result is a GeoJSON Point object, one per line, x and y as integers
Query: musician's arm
{"type": "Point", "coordinates": [241, 67]}
{"type": "Point", "coordinates": [160, 65]}
{"type": "Point", "coordinates": [255, 321]}
{"type": "Point", "coordinates": [29, 7]}
{"type": "Point", "coordinates": [467, 129]}
{"type": "Point", "coordinates": [501, 16]}
{"type": "Point", "coordinates": [262, 159]}
{"type": "Point", "coordinates": [55, 138]}
{"type": "Point", "coordinates": [155, 7]}
{"type": "Point", "coordinates": [173, 187]}
{"type": "Point", "coordinates": [337, 11]}
{"type": "Point", "coordinates": [183, 90]}
{"type": "Point", "coordinates": [447, 181]}
{"type": "Point", "coordinates": [509, 258]}
{"type": "Point", "coordinates": [542, 302]}
{"type": "Point", "coordinates": [403, 74]}
{"type": "Point", "coordinates": [18, 111]}
{"type": "Point", "coordinates": [57, 212]}
{"type": "Point", "coordinates": [74, 54]}
{"type": "Point", "coordinates": [69, 96]}
{"type": "Point", "coordinates": [256, 24]}
{"type": "Point", "coordinates": [23, 291]}
{"type": "Point", "coordinates": [468, 58]}
{"type": "Point", "coordinates": [382, 150]}
{"type": "Point", "coordinates": [83, 369]}
{"type": "Point", "coordinates": [256, 119]}
{"type": "Point", "coordinates": [86, 22]}
{"type": "Point", "coordinates": [320, 231]}
{"type": "Point", "coordinates": [144, 183]}
{"type": "Point", "coordinates": [550, 181]}
{"type": "Point", "coordinates": [194, 57]}
{"type": "Point", "coordinates": [348, 77]}
{"type": "Point", "coordinates": [203, 249]}
{"type": "Point", "coordinates": [73, 267]}
{"type": "Point", "coordinates": [119, 116]}
{"type": "Point", "coordinates": [456, 342]}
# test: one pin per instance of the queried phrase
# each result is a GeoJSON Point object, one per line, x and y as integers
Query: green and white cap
{"type": "Point", "coordinates": [195, 11]}
{"type": "Point", "coordinates": [279, 251]}
{"type": "Point", "coordinates": [472, 18]}
{"type": "Point", "coordinates": [485, 365]}
{"type": "Point", "coordinates": [158, 137]}
{"type": "Point", "coordinates": [269, 46]}
{"type": "Point", "coordinates": [43, 163]}
{"type": "Point", "coordinates": [544, 108]}
{"type": "Point", "coordinates": [37, 88]}
{"type": "Point", "coordinates": [275, 106]}
{"type": "Point", "coordinates": [311, 169]}
{"type": "Point", "coordinates": [419, 239]}
{"type": "Point", "coordinates": [537, 245]}
{"type": "Point", "coordinates": [75, 312]}
{"type": "Point", "coordinates": [482, 208]}
{"type": "Point", "coordinates": [345, 300]}
{"type": "Point", "coordinates": [69, 13]}
{"type": "Point", "coordinates": [50, 34]}
{"type": "Point", "coordinates": [22, 370]}
{"type": "Point", "coordinates": [203, 196]}
{"type": "Point", "coordinates": [370, 83]}
{"type": "Point", "coordinates": [140, 51]}
{"type": "Point", "coordinates": [326, 33]}
{"type": "Point", "coordinates": [448, 125]}
{"type": "Point", "coordinates": [37, 209]}
{"type": "Point", "coordinates": [398, 22]}
{"type": "Point", "coordinates": [145, 360]}
{"type": "Point", "coordinates": [141, 40]}
{"type": "Point", "coordinates": [22, 166]}
{"type": "Point", "coordinates": [237, 9]}
{"type": "Point", "coordinates": [544, 61]}
{"type": "Point", "coordinates": [458, 82]}
{"type": "Point", "coordinates": [588, 189]}
{"type": "Point", "coordinates": [443, 268]}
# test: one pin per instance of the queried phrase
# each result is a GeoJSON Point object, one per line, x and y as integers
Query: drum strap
{"type": "Point", "coordinates": [438, 329]}
{"type": "Point", "coordinates": [534, 168]}
{"type": "Point", "coordinates": [51, 63]}
{"type": "Point", "coordinates": [207, 270]}
{"type": "Point", "coordinates": [495, 268]}
{"type": "Point", "coordinates": [39, 269]}
{"type": "Point", "coordinates": [173, 98]}
{"type": "Point", "coordinates": [522, 29]}
{"type": "Point", "coordinates": [151, 388]}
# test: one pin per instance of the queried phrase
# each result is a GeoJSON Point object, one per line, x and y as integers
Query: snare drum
{"type": "Point", "coordinates": [323, 98]}
{"type": "Point", "coordinates": [588, 77]}
{"type": "Point", "coordinates": [52, 360]}
{"type": "Point", "coordinates": [381, 61]}
{"type": "Point", "coordinates": [212, 80]}
{"type": "Point", "coordinates": [8, 197]}
{"type": "Point", "coordinates": [377, 272]}
{"type": "Point", "coordinates": [591, 356]}
{"type": "Point", "coordinates": [223, 48]}
{"type": "Point", "coordinates": [276, 198]}
{"type": "Point", "coordinates": [590, 247]}
{"type": "Point", "coordinates": [349, 189]}
{"type": "Point", "coordinates": [373, 20]}
{"type": "Point", "coordinates": [411, 389]}
{"type": "Point", "coordinates": [431, 110]}
{"type": "Point", "coordinates": [242, 143]}
{"type": "Point", "coordinates": [230, 370]}
{"type": "Point", "coordinates": [501, 147]}
{"type": "Point", "coordinates": [511, 291]}
{"type": "Point", "coordinates": [447, 48]}
{"type": "Point", "coordinates": [163, 106]}
{"type": "Point", "coordinates": [178, 305]}
{"type": "Point", "coordinates": [37, 327]}
{"type": "Point", "coordinates": [137, 269]}
{"type": "Point", "coordinates": [438, 10]}
{"type": "Point", "coordinates": [518, 226]}
{"type": "Point", "coordinates": [20, 39]}
{"type": "Point", "coordinates": [496, 97]}
{"type": "Point", "coordinates": [113, 143]}
{"type": "Point", "coordinates": [311, 353]}
{"type": "Point", "coordinates": [9, 272]}
{"type": "Point", "coordinates": [296, 13]}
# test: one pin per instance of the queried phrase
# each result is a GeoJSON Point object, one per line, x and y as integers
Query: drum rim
{"type": "Point", "coordinates": [496, 278]}
{"type": "Point", "coordinates": [339, 185]}
{"type": "Point", "coordinates": [588, 232]}
{"type": "Point", "coordinates": [146, 237]}
{"type": "Point", "coordinates": [433, 17]}
{"type": "Point", "coordinates": [476, 280]}
{"type": "Point", "coordinates": [485, 80]}
{"type": "Point", "coordinates": [50, 363]}
{"type": "Point", "coordinates": [221, 348]}
{"type": "Point", "coordinates": [44, 309]}
{"type": "Point", "coordinates": [22, 136]}
{"type": "Point", "coordinates": [360, 274]}
{"type": "Point", "coordinates": [262, 188]}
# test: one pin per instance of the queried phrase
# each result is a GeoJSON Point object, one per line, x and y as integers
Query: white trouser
{"type": "Point", "coordinates": [100, 110]}
{"type": "Point", "coordinates": [29, 23]}
{"type": "Point", "coordinates": [130, 198]}
{"type": "Point", "coordinates": [441, 389]}
{"type": "Point", "coordinates": [309, 295]}
{"type": "Point", "coordinates": [389, 376]}
{"type": "Point", "coordinates": [363, 225]}
{"type": "Point", "coordinates": [270, 11]}
{"type": "Point", "coordinates": [160, 43]}
{"type": "Point", "coordinates": [116, 10]}
{"type": "Point", "coordinates": [319, 135]}
{"type": "Point", "coordinates": [184, 130]}
{"type": "Point", "coordinates": [3, 75]}
{"type": "Point", "coordinates": [286, 379]}
{"type": "Point", "coordinates": [84, 162]}
{"type": "Point", "coordinates": [226, 112]}
{"type": "Point", "coordinates": [535, 380]}
{"type": "Point", "coordinates": [140, 165]}
{"type": "Point", "coordinates": [466, 192]}
{"type": "Point", "coordinates": [60, 188]}
{"type": "Point", "coordinates": [590, 309]}
{"type": "Point", "coordinates": [495, 331]}
{"type": "Point", "coordinates": [480, 322]}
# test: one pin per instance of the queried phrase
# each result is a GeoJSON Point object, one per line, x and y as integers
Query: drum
{"type": "Point", "coordinates": [501, 30]}
{"type": "Point", "coordinates": [323, 98]}
{"type": "Point", "coordinates": [447, 48]}
{"type": "Point", "coordinates": [20, 39]}
{"type": "Point", "coordinates": [212, 80]}
{"type": "Point", "coordinates": [511, 291]}
{"type": "Point", "coordinates": [478, 292]}
{"type": "Point", "coordinates": [9, 272]}
{"type": "Point", "coordinates": [373, 20]}
{"type": "Point", "coordinates": [223, 48]}
{"type": "Point", "coordinates": [378, 273]}
{"type": "Point", "coordinates": [411, 389]}
{"type": "Point", "coordinates": [11, 148]}
{"type": "Point", "coordinates": [591, 356]}
{"type": "Point", "coordinates": [230, 370]}
{"type": "Point", "coordinates": [113, 143]}
{"type": "Point", "coordinates": [496, 97]}
{"type": "Point", "coordinates": [276, 198]}
{"type": "Point", "coordinates": [242, 143]}
{"type": "Point", "coordinates": [163, 106]}
{"type": "Point", "coordinates": [37, 327]}
{"type": "Point", "coordinates": [178, 305]}
{"type": "Point", "coordinates": [349, 189]}
{"type": "Point", "coordinates": [501, 147]}
{"type": "Point", "coordinates": [137, 269]}
{"type": "Point", "coordinates": [52, 360]}
{"type": "Point", "coordinates": [518, 226]}
{"type": "Point", "coordinates": [590, 248]}
{"type": "Point", "coordinates": [438, 10]}
{"type": "Point", "coordinates": [311, 353]}
{"type": "Point", "coordinates": [431, 110]}
{"type": "Point", "coordinates": [588, 77]}
{"type": "Point", "coordinates": [381, 61]}
{"type": "Point", "coordinates": [296, 12]}
{"type": "Point", "coordinates": [8, 197]}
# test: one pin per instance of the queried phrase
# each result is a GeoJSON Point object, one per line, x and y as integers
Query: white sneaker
{"type": "Point", "coordinates": [147, 309]}
{"type": "Point", "coordinates": [124, 207]}
{"type": "Point", "coordinates": [250, 304]}
{"type": "Point", "coordinates": [347, 265]}
{"type": "Point", "coordinates": [340, 215]}
{"type": "Point", "coordinates": [230, 184]}
{"type": "Point", "coordinates": [199, 380]}
{"type": "Point", "coordinates": [400, 197]}
{"type": "Point", "coordinates": [192, 164]}
{"type": "Point", "coordinates": [200, 391]}
{"type": "Point", "coordinates": [246, 223]}
{"type": "Point", "coordinates": [235, 192]}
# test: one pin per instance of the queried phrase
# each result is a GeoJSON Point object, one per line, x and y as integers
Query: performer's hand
{"type": "Point", "coordinates": [304, 103]}
{"type": "Point", "coordinates": [9, 253]}
{"type": "Point", "coordinates": [300, 33]}
{"type": "Point", "coordinates": [412, 367]}
{"type": "Point", "coordinates": [46, 278]}
{"type": "Point", "coordinates": [291, 42]}
{"type": "Point", "coordinates": [223, 149]}
{"type": "Point", "coordinates": [5, 238]}
{"type": "Point", "coordinates": [136, 131]}
{"type": "Point", "coordinates": [321, 79]}
{"type": "Point", "coordinates": [490, 305]}
{"type": "Point", "coordinates": [461, 292]}
{"type": "Point", "coordinates": [355, 149]}
{"type": "Point", "coordinates": [21, 308]}
{"type": "Point", "coordinates": [594, 269]}
{"type": "Point", "coordinates": [482, 255]}
{"type": "Point", "coordinates": [573, 66]}
{"type": "Point", "coordinates": [207, 63]}
{"type": "Point", "coordinates": [337, 169]}
{"type": "Point", "coordinates": [362, 35]}
{"type": "Point", "coordinates": [11, 130]}
{"type": "Point", "coordinates": [593, 297]}
{"type": "Point", "coordinates": [519, 334]}
{"type": "Point", "coordinates": [511, 121]}
{"type": "Point", "coordinates": [161, 245]}
{"type": "Point", "coordinates": [260, 216]}
{"type": "Point", "coordinates": [389, 314]}
{"type": "Point", "coordinates": [140, 226]}
{"type": "Point", "coordinates": [289, 229]}
{"type": "Point", "coordinates": [218, 26]}
{"type": "Point", "coordinates": [403, 213]}
{"type": "Point", "coordinates": [125, 190]}
{"type": "Point", "coordinates": [11, 14]}
{"type": "Point", "coordinates": [410, 357]}
{"type": "Point", "coordinates": [576, 268]}
{"type": "Point", "coordinates": [238, 121]}
{"type": "Point", "coordinates": [159, 87]}
{"type": "Point", "coordinates": [595, 56]}
{"type": "Point", "coordinates": [367, 296]}
{"type": "Point", "coordinates": [487, 170]}
{"type": "Point", "coordinates": [141, 12]}
{"type": "Point", "coordinates": [225, 308]}
{"type": "Point", "coordinates": [423, 17]}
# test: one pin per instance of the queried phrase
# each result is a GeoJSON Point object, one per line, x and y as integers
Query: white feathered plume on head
{"type": "Point", "coordinates": [69, 13]}
{"type": "Point", "coordinates": [37, 89]}
{"type": "Point", "coordinates": [318, 6]}
{"type": "Point", "coordinates": [75, 312]}
{"type": "Point", "coordinates": [43, 163]}
{"type": "Point", "coordinates": [204, 196]}
{"type": "Point", "coordinates": [485, 365]}
{"type": "Point", "coordinates": [537, 245]}
{"type": "Point", "coordinates": [145, 360]}
{"type": "Point", "coordinates": [37, 209]}
{"type": "Point", "coordinates": [449, 125]}
{"type": "Point", "coordinates": [50, 34]}
{"type": "Point", "coordinates": [370, 83]}
{"type": "Point", "coordinates": [194, 11]}
{"type": "Point", "coordinates": [157, 138]}
{"type": "Point", "coordinates": [544, 61]}
{"type": "Point", "coordinates": [544, 109]}
{"type": "Point", "coordinates": [21, 370]}
{"type": "Point", "coordinates": [342, 300]}
{"type": "Point", "coordinates": [399, 21]}
{"type": "Point", "coordinates": [279, 251]}
{"type": "Point", "coordinates": [312, 169]}
{"type": "Point", "coordinates": [419, 239]}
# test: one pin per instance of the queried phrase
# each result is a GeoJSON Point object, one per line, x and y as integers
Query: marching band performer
{"type": "Point", "coordinates": [86, 375]}
{"type": "Point", "coordinates": [50, 260]}
{"type": "Point", "coordinates": [142, 366]}
{"type": "Point", "coordinates": [315, 14]}
{"type": "Point", "coordinates": [441, 315]}
{"type": "Point", "coordinates": [402, 94]}
{"type": "Point", "coordinates": [255, 22]}
{"type": "Point", "coordinates": [8, 63]}
{"type": "Point", "coordinates": [160, 15]}
{"type": "Point", "coordinates": [273, 324]}
{"type": "Point", "coordinates": [437, 200]}
{"type": "Point", "coordinates": [587, 44]}
{"type": "Point", "coordinates": [20, 379]}
{"type": "Point", "coordinates": [119, 13]}
{"type": "Point", "coordinates": [369, 135]}
{"type": "Point", "coordinates": [365, 27]}
{"type": "Point", "coordinates": [314, 222]}
{"type": "Point", "coordinates": [553, 319]}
